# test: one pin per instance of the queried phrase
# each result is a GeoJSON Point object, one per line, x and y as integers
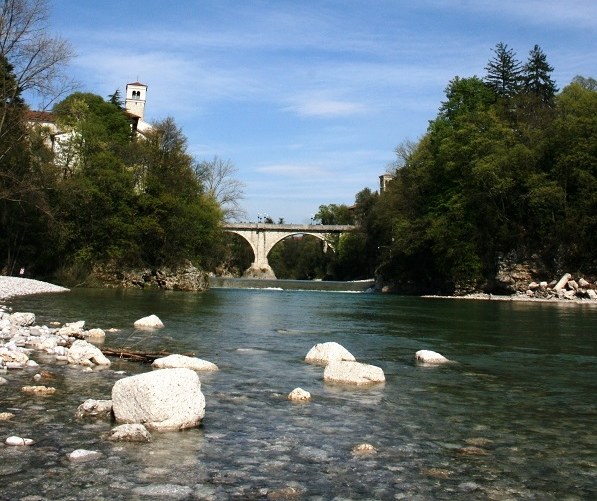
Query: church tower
{"type": "Point", "coordinates": [135, 99]}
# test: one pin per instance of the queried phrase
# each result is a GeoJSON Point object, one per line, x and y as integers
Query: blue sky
{"type": "Point", "coordinates": [309, 99]}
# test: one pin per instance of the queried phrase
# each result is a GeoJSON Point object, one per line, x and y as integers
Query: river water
{"type": "Point", "coordinates": [514, 418]}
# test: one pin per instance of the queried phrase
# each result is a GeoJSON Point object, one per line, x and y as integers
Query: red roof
{"type": "Point", "coordinates": [40, 116]}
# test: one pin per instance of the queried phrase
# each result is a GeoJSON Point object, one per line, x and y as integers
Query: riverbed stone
{"type": "Point", "coordinates": [18, 441]}
{"type": "Point", "coordinates": [133, 432]}
{"type": "Point", "coordinates": [428, 357]}
{"type": "Point", "coordinates": [298, 394]}
{"type": "Point", "coordinates": [183, 361]}
{"type": "Point", "coordinates": [324, 353]}
{"type": "Point", "coordinates": [353, 373]}
{"type": "Point", "coordinates": [95, 335]}
{"type": "Point", "coordinates": [84, 353]}
{"type": "Point", "coordinates": [21, 319]}
{"type": "Point", "coordinates": [94, 408]}
{"type": "Point", "coordinates": [39, 390]}
{"type": "Point", "coordinates": [84, 455]}
{"type": "Point", "coordinates": [150, 322]}
{"type": "Point", "coordinates": [168, 399]}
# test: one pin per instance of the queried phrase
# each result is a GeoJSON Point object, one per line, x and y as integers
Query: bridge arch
{"type": "Point", "coordinates": [263, 237]}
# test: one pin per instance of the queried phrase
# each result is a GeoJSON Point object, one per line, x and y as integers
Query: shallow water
{"type": "Point", "coordinates": [514, 418]}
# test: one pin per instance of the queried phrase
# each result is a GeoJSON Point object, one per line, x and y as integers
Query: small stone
{"type": "Point", "coordinates": [5, 416]}
{"type": "Point", "coordinates": [478, 441]}
{"type": "Point", "coordinates": [299, 394]}
{"type": "Point", "coordinates": [437, 472]}
{"type": "Point", "coordinates": [472, 451]}
{"type": "Point", "coordinates": [364, 449]}
{"type": "Point", "coordinates": [39, 390]}
{"type": "Point", "coordinates": [3, 381]}
{"type": "Point", "coordinates": [94, 408]}
{"type": "Point", "coordinates": [83, 455]}
{"type": "Point", "coordinates": [18, 441]}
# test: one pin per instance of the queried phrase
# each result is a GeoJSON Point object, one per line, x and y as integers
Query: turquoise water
{"type": "Point", "coordinates": [514, 418]}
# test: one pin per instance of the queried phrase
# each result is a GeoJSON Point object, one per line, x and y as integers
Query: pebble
{"type": "Point", "coordinates": [83, 455]}
{"type": "Point", "coordinates": [18, 441]}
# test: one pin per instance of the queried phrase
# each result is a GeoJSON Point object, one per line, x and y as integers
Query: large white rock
{"type": "Point", "coordinates": [168, 399]}
{"type": "Point", "coordinates": [430, 357]}
{"type": "Point", "coordinates": [353, 373]}
{"type": "Point", "coordinates": [182, 361]}
{"type": "Point", "coordinates": [150, 322]}
{"type": "Point", "coordinates": [84, 353]}
{"type": "Point", "coordinates": [324, 353]}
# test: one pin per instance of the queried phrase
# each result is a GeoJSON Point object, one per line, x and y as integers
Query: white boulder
{"type": "Point", "coordinates": [353, 373]}
{"type": "Point", "coordinates": [84, 353]}
{"type": "Point", "coordinates": [182, 361]}
{"type": "Point", "coordinates": [430, 357]}
{"type": "Point", "coordinates": [22, 319]}
{"type": "Point", "coordinates": [168, 399]}
{"type": "Point", "coordinates": [150, 322]}
{"type": "Point", "coordinates": [324, 353]}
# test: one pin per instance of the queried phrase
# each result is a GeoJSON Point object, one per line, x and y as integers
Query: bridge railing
{"type": "Point", "coordinates": [312, 228]}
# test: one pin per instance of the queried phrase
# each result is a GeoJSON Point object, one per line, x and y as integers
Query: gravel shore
{"type": "Point", "coordinates": [15, 286]}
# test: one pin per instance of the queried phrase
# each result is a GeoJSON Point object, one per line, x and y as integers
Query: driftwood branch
{"type": "Point", "coordinates": [137, 356]}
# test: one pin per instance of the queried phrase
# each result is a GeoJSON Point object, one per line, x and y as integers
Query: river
{"type": "Point", "coordinates": [514, 418]}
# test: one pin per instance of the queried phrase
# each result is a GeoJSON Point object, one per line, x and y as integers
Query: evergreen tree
{"type": "Point", "coordinates": [116, 99]}
{"type": "Point", "coordinates": [504, 72]}
{"type": "Point", "coordinates": [536, 76]}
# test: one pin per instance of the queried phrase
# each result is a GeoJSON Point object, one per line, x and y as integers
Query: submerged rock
{"type": "Point", "coordinates": [94, 408]}
{"type": "Point", "coordinates": [353, 373]}
{"type": "Point", "coordinates": [83, 455]}
{"type": "Point", "coordinates": [182, 361]}
{"type": "Point", "coordinates": [134, 432]}
{"type": "Point", "coordinates": [299, 394]}
{"type": "Point", "coordinates": [18, 441]}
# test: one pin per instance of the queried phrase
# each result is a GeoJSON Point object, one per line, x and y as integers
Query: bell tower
{"type": "Point", "coordinates": [135, 99]}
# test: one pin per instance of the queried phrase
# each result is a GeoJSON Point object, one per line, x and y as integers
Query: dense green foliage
{"type": "Point", "coordinates": [103, 196]}
{"type": "Point", "coordinates": [495, 174]}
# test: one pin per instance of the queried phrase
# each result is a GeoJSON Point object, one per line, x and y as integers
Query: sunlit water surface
{"type": "Point", "coordinates": [514, 418]}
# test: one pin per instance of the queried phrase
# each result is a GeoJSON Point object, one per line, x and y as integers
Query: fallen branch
{"type": "Point", "coordinates": [137, 356]}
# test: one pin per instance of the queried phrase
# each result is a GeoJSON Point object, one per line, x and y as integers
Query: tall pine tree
{"type": "Point", "coordinates": [536, 76]}
{"type": "Point", "coordinates": [504, 72]}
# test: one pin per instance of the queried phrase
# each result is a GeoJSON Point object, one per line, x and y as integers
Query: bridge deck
{"type": "Point", "coordinates": [306, 228]}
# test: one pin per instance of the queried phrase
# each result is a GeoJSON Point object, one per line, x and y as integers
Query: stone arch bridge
{"type": "Point", "coordinates": [263, 236]}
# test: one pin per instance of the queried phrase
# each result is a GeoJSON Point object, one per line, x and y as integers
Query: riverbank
{"type": "Point", "coordinates": [16, 286]}
{"type": "Point", "coordinates": [520, 298]}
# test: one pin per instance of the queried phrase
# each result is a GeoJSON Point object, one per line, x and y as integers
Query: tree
{"type": "Point", "coordinates": [504, 72]}
{"type": "Point", "coordinates": [334, 214]}
{"type": "Point", "coordinates": [37, 60]}
{"type": "Point", "coordinates": [218, 182]}
{"type": "Point", "coordinates": [116, 99]}
{"type": "Point", "coordinates": [536, 76]}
